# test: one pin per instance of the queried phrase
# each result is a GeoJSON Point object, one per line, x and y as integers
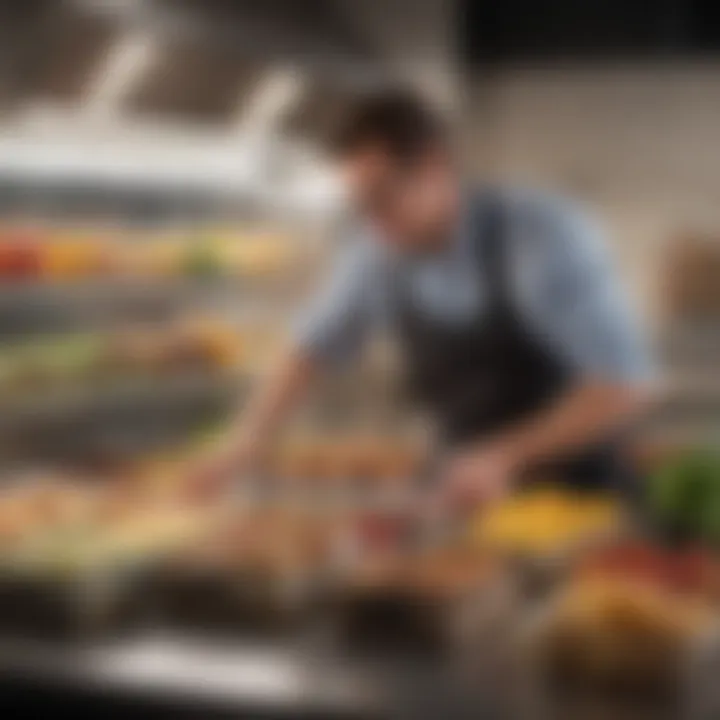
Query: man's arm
{"type": "Point", "coordinates": [331, 330]}
{"type": "Point", "coordinates": [274, 400]}
{"type": "Point", "coordinates": [569, 296]}
{"type": "Point", "coordinates": [591, 411]}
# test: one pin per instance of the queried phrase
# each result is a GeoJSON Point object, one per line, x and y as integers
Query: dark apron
{"type": "Point", "coordinates": [492, 372]}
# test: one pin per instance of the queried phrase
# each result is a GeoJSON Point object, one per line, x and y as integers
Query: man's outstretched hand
{"type": "Point", "coordinates": [218, 468]}
{"type": "Point", "coordinates": [477, 475]}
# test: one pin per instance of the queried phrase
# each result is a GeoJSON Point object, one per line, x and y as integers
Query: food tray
{"type": "Point", "coordinates": [85, 582]}
{"type": "Point", "coordinates": [389, 617]}
{"type": "Point", "coordinates": [540, 569]}
{"type": "Point", "coordinates": [541, 573]}
{"type": "Point", "coordinates": [680, 685]}
{"type": "Point", "coordinates": [228, 601]}
{"type": "Point", "coordinates": [265, 569]}
{"type": "Point", "coordinates": [75, 607]}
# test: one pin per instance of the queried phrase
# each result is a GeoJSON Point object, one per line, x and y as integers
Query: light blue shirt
{"type": "Point", "coordinates": [559, 273]}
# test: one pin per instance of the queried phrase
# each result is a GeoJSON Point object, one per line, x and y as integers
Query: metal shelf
{"type": "Point", "coordinates": [114, 420]}
{"type": "Point", "coordinates": [45, 308]}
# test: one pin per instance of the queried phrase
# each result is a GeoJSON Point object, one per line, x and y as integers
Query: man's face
{"type": "Point", "coordinates": [410, 205]}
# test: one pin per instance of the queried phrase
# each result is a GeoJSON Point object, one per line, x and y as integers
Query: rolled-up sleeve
{"type": "Point", "coordinates": [573, 297]}
{"type": "Point", "coordinates": [332, 328]}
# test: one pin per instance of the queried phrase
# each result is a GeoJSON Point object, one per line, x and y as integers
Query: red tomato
{"type": "Point", "coordinates": [679, 570]}
{"type": "Point", "coordinates": [689, 571]}
{"type": "Point", "coordinates": [19, 258]}
{"type": "Point", "coordinates": [381, 531]}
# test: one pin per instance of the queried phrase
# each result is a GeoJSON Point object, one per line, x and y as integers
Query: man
{"type": "Point", "coordinates": [514, 335]}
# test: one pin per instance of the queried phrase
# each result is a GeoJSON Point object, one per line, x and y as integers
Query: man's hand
{"type": "Point", "coordinates": [478, 475]}
{"type": "Point", "coordinates": [246, 447]}
{"type": "Point", "coordinates": [239, 455]}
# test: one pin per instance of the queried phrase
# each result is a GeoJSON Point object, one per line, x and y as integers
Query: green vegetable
{"type": "Point", "coordinates": [684, 496]}
{"type": "Point", "coordinates": [202, 262]}
{"type": "Point", "coordinates": [711, 521]}
{"type": "Point", "coordinates": [73, 355]}
{"type": "Point", "coordinates": [64, 350]}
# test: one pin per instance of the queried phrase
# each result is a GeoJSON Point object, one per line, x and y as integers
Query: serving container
{"type": "Point", "coordinates": [559, 671]}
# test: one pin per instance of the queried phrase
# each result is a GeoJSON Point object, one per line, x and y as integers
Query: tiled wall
{"type": "Point", "coordinates": [641, 144]}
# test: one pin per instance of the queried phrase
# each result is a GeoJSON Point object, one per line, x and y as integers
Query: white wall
{"type": "Point", "coordinates": [642, 144]}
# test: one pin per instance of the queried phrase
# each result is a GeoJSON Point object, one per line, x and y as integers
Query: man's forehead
{"type": "Point", "coordinates": [367, 166]}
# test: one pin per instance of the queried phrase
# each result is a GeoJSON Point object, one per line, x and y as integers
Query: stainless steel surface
{"type": "Point", "coordinates": [177, 668]}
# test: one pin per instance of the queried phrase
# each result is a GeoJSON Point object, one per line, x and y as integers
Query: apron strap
{"type": "Point", "coordinates": [490, 241]}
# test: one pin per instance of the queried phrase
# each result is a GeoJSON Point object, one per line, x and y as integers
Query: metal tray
{"type": "Point", "coordinates": [396, 620]}
{"type": "Point", "coordinates": [80, 606]}
{"type": "Point", "coordinates": [683, 685]}
{"type": "Point", "coordinates": [234, 601]}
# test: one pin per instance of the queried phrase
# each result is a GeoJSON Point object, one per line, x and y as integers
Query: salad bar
{"type": "Point", "coordinates": [353, 587]}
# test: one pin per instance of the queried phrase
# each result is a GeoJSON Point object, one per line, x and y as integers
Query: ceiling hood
{"type": "Point", "coordinates": [315, 33]}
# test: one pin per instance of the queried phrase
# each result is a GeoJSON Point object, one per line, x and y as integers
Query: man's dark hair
{"type": "Point", "coordinates": [396, 121]}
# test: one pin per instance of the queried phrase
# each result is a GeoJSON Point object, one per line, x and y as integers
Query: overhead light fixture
{"type": "Point", "coordinates": [127, 59]}
{"type": "Point", "coordinates": [274, 95]}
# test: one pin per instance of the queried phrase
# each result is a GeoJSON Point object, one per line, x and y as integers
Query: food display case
{"type": "Point", "coordinates": [131, 334]}
{"type": "Point", "coordinates": [134, 313]}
